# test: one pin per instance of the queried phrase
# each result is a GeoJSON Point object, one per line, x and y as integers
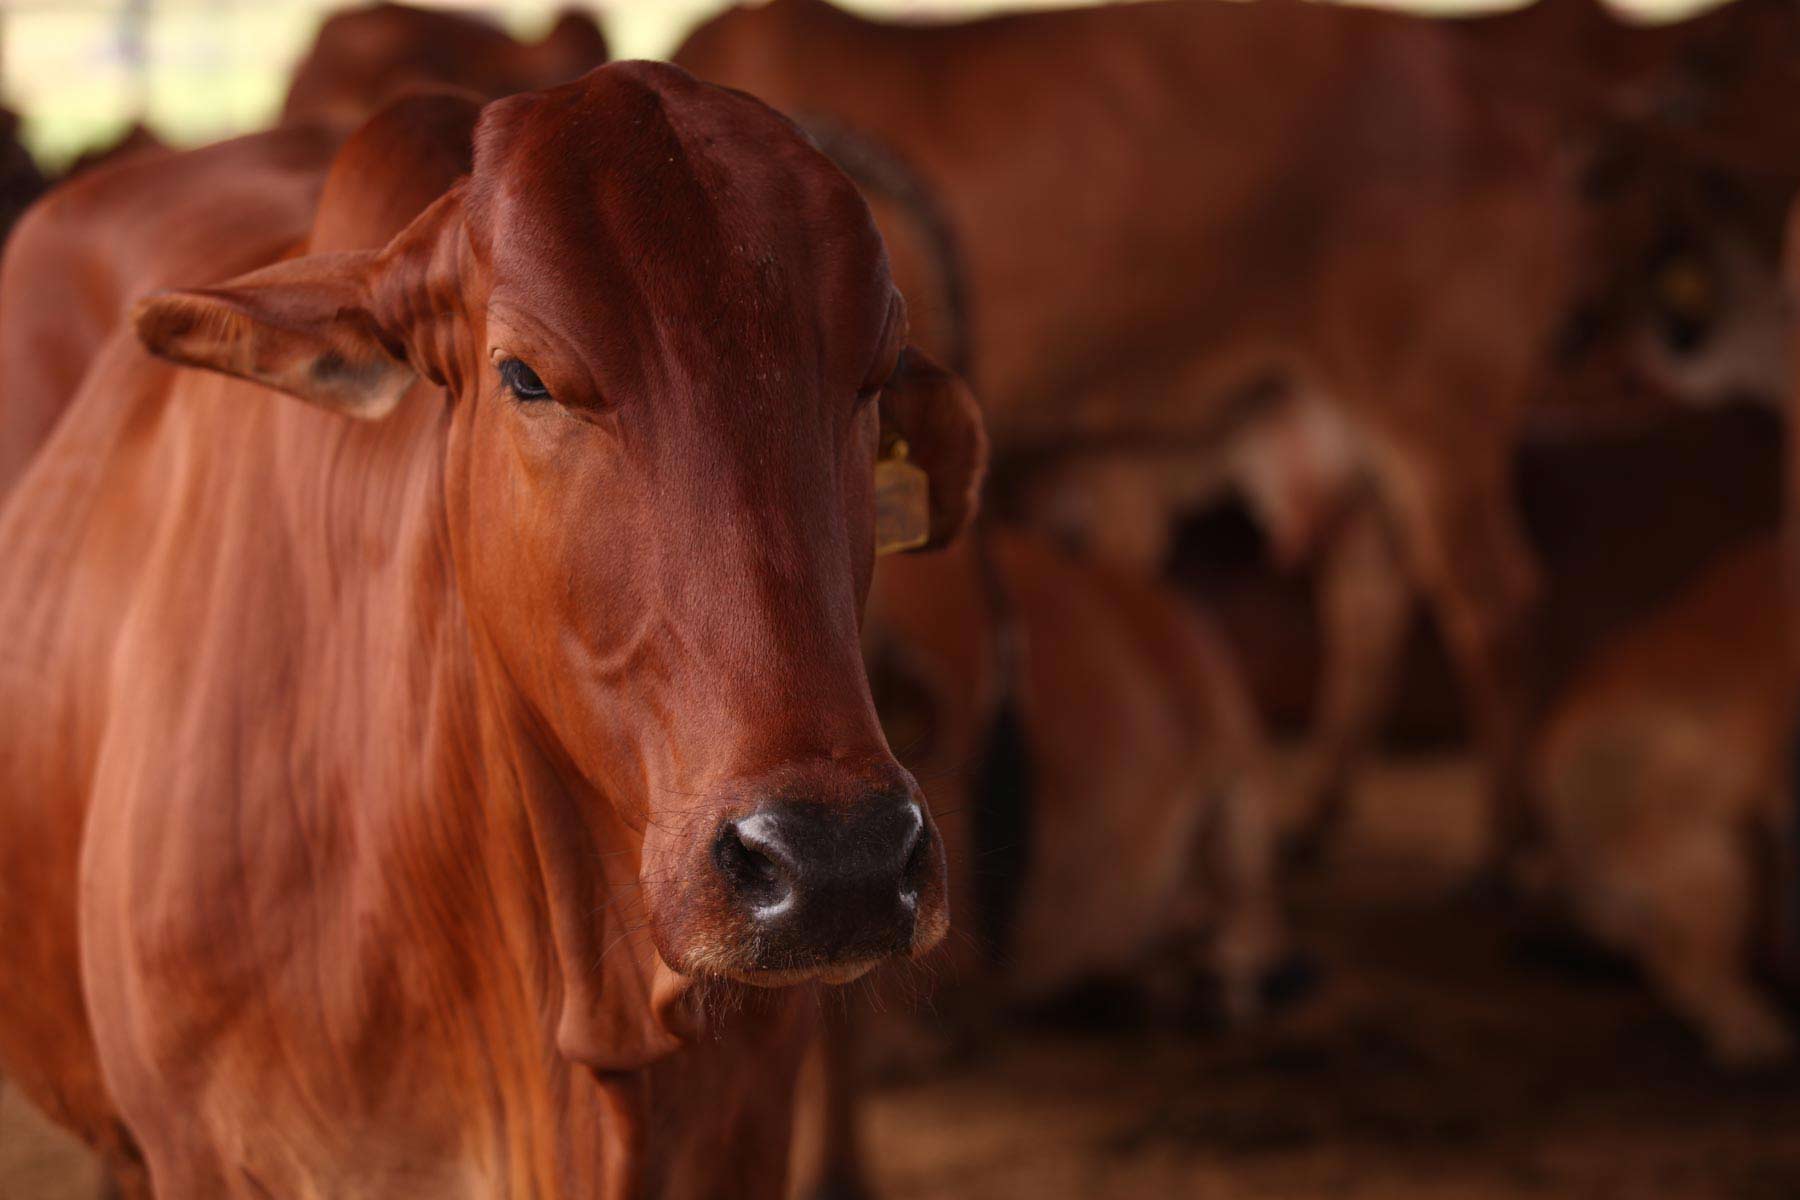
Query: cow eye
{"type": "Point", "coordinates": [522, 381]}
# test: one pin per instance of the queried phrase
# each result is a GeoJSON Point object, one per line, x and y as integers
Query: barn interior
{"type": "Point", "coordinates": [1590, 991]}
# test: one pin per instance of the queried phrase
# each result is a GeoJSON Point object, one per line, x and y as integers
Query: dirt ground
{"type": "Point", "coordinates": [1445, 1054]}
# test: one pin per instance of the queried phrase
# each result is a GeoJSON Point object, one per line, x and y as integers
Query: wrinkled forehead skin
{"type": "Point", "coordinates": [668, 235]}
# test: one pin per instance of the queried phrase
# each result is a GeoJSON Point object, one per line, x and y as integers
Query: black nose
{"type": "Point", "coordinates": [823, 885]}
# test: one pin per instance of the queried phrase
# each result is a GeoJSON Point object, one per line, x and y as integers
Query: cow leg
{"type": "Point", "coordinates": [1468, 554]}
{"type": "Point", "coordinates": [841, 1175]}
{"type": "Point", "coordinates": [1365, 608]}
{"type": "Point", "coordinates": [1248, 941]}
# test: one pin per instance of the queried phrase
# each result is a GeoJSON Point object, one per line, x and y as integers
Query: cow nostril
{"type": "Point", "coordinates": [917, 865]}
{"type": "Point", "coordinates": [751, 872]}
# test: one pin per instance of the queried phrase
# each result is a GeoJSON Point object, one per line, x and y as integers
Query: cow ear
{"type": "Point", "coordinates": [393, 167]}
{"type": "Point", "coordinates": [305, 327]}
{"type": "Point", "coordinates": [930, 422]}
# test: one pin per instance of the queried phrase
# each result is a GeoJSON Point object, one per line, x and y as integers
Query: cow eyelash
{"type": "Point", "coordinates": [522, 381]}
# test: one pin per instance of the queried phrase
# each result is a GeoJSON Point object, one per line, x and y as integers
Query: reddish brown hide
{"type": "Point", "coordinates": [364, 57]}
{"type": "Point", "coordinates": [74, 265]}
{"type": "Point", "coordinates": [137, 138]}
{"type": "Point", "coordinates": [376, 792]}
{"type": "Point", "coordinates": [1670, 808]}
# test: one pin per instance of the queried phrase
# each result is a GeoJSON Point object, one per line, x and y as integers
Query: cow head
{"type": "Point", "coordinates": [1683, 289]}
{"type": "Point", "coordinates": [1691, 172]}
{"type": "Point", "coordinates": [669, 358]}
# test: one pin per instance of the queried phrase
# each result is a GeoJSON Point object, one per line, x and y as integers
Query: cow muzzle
{"type": "Point", "coordinates": [826, 892]}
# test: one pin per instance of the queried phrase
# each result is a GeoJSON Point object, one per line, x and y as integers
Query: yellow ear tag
{"type": "Point", "coordinates": [902, 502]}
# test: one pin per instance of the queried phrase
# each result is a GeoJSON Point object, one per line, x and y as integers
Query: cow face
{"type": "Point", "coordinates": [674, 360]}
{"type": "Point", "coordinates": [1689, 188]}
{"type": "Point", "coordinates": [1683, 290]}
{"type": "Point", "coordinates": [1713, 322]}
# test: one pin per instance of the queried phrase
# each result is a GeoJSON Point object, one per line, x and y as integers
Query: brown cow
{"type": "Point", "coordinates": [1302, 475]}
{"type": "Point", "coordinates": [1670, 805]}
{"type": "Point", "coordinates": [1693, 165]}
{"type": "Point", "coordinates": [1151, 232]}
{"type": "Point", "coordinates": [136, 138]}
{"type": "Point", "coordinates": [74, 268]}
{"type": "Point", "coordinates": [1139, 741]}
{"type": "Point", "coordinates": [401, 790]}
{"type": "Point", "coordinates": [1695, 160]}
{"type": "Point", "coordinates": [1136, 845]}
{"type": "Point", "coordinates": [364, 57]}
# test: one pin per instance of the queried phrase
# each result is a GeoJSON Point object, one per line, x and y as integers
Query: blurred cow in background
{"type": "Point", "coordinates": [1692, 156]}
{"type": "Point", "coordinates": [365, 56]}
{"type": "Point", "coordinates": [1152, 234]}
{"type": "Point", "coordinates": [83, 267]}
{"type": "Point", "coordinates": [1669, 803]}
{"type": "Point", "coordinates": [1006, 667]}
{"type": "Point", "coordinates": [136, 138]}
{"type": "Point", "coordinates": [1363, 278]}
{"type": "Point", "coordinates": [1102, 785]}
{"type": "Point", "coordinates": [1665, 769]}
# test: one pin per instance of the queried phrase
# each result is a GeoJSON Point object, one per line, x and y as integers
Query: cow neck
{"type": "Point", "coordinates": [492, 887]}
{"type": "Point", "coordinates": [543, 831]}
{"type": "Point", "coordinates": [513, 884]}
{"type": "Point", "coordinates": [505, 891]}
{"type": "Point", "coordinates": [621, 1016]}
{"type": "Point", "coordinates": [620, 1007]}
